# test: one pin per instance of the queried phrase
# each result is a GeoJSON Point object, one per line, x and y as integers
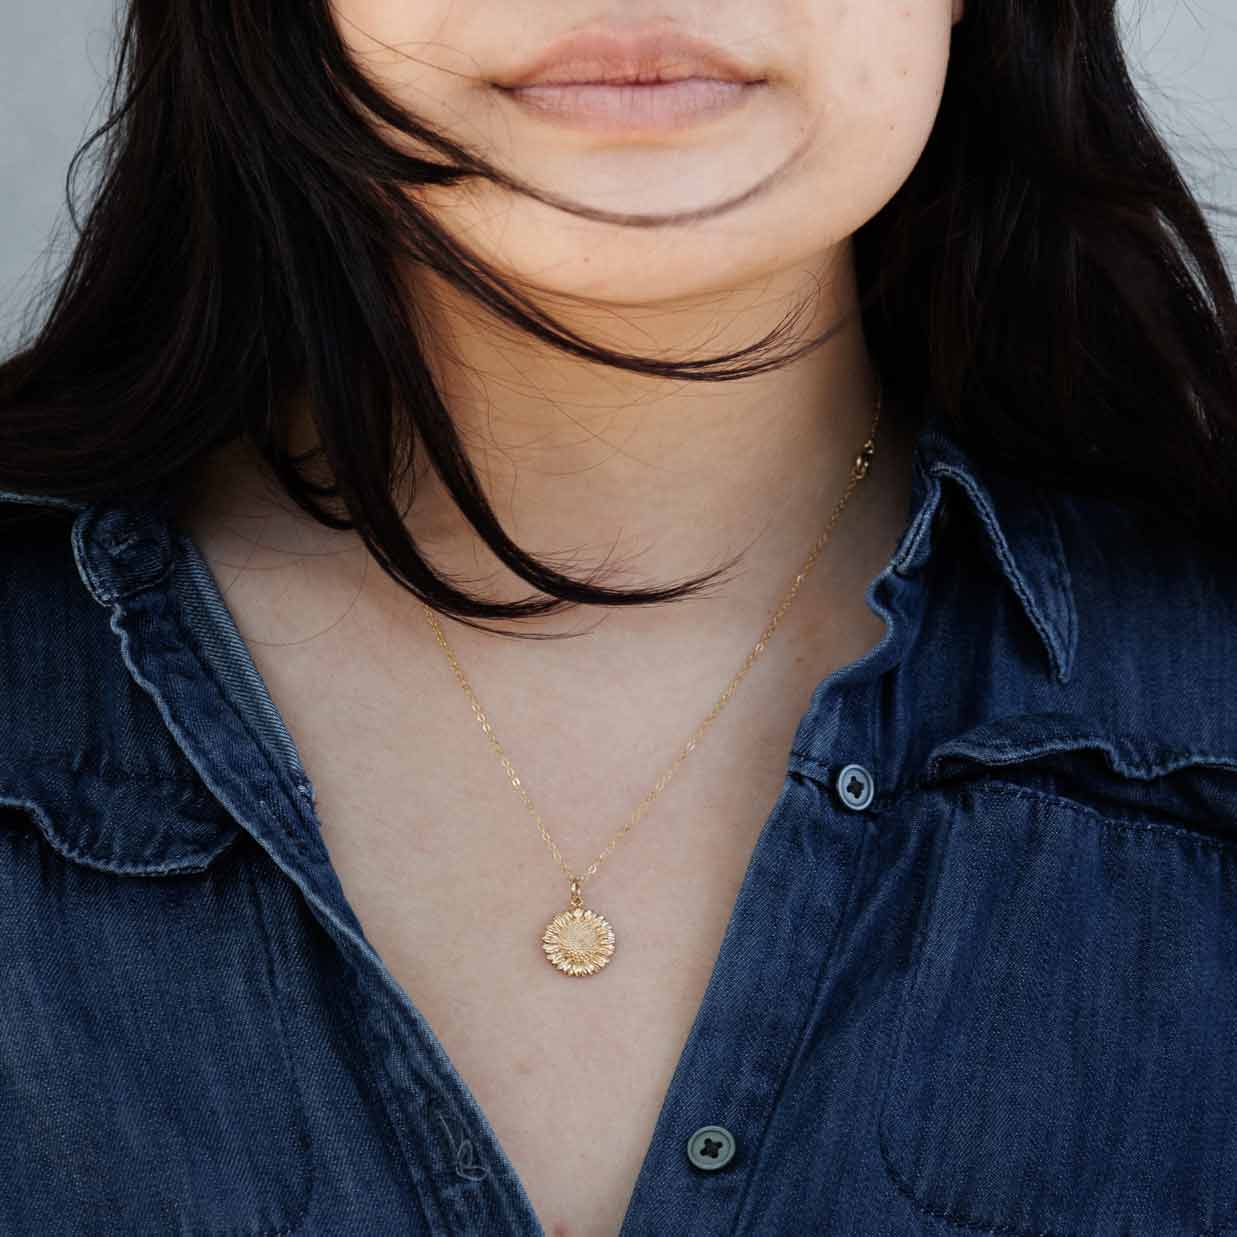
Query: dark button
{"type": "Point", "coordinates": [711, 1147]}
{"type": "Point", "coordinates": [856, 786]}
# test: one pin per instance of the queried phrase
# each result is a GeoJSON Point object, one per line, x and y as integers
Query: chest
{"type": "Point", "coordinates": [454, 885]}
{"type": "Point", "coordinates": [571, 1072]}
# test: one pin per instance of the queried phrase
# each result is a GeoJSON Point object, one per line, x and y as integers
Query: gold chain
{"type": "Point", "coordinates": [859, 470]}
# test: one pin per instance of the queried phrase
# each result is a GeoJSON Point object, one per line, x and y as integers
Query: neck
{"type": "Point", "coordinates": [663, 480]}
{"type": "Point", "coordinates": [667, 478]}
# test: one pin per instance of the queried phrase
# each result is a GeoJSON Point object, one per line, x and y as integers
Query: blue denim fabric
{"type": "Point", "coordinates": [998, 999]}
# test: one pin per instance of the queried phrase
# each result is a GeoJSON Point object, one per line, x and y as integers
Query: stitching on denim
{"type": "Point", "coordinates": [119, 614]}
{"type": "Point", "coordinates": [1130, 824]}
{"type": "Point", "coordinates": [824, 777]}
{"type": "Point", "coordinates": [171, 604]}
{"type": "Point", "coordinates": [464, 1163]}
{"type": "Point", "coordinates": [363, 1020]}
{"type": "Point", "coordinates": [1180, 832]}
{"type": "Point", "coordinates": [1165, 763]}
{"type": "Point", "coordinates": [397, 1005]}
{"type": "Point", "coordinates": [823, 770]}
{"type": "Point", "coordinates": [122, 543]}
{"type": "Point", "coordinates": [184, 548]}
{"type": "Point", "coordinates": [44, 500]}
{"type": "Point", "coordinates": [909, 985]}
{"type": "Point", "coordinates": [305, 1148]}
{"type": "Point", "coordinates": [996, 537]}
{"type": "Point", "coordinates": [1093, 742]}
{"type": "Point", "coordinates": [1064, 582]}
{"type": "Point", "coordinates": [860, 857]}
{"type": "Point", "coordinates": [118, 867]}
{"type": "Point", "coordinates": [925, 516]}
{"type": "Point", "coordinates": [1011, 569]}
{"type": "Point", "coordinates": [943, 1213]}
{"type": "Point", "coordinates": [110, 595]}
{"type": "Point", "coordinates": [886, 801]}
{"type": "Point", "coordinates": [81, 556]}
{"type": "Point", "coordinates": [248, 1231]}
{"type": "Point", "coordinates": [65, 761]}
{"type": "Point", "coordinates": [143, 586]}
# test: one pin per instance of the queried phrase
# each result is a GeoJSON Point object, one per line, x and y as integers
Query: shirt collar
{"type": "Point", "coordinates": [1019, 526]}
{"type": "Point", "coordinates": [123, 547]}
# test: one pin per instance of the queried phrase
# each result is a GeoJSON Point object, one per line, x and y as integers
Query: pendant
{"type": "Point", "coordinates": [578, 941]}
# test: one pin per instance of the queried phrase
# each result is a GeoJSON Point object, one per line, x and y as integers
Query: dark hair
{"type": "Point", "coordinates": [1044, 278]}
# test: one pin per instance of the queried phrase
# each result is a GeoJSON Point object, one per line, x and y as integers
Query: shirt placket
{"type": "Point", "coordinates": [458, 1173]}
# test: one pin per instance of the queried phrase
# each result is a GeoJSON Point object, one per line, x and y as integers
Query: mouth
{"type": "Point", "coordinates": [604, 80]}
{"type": "Point", "coordinates": [633, 106]}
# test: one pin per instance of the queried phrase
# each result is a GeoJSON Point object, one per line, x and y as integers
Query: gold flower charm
{"type": "Point", "coordinates": [578, 941]}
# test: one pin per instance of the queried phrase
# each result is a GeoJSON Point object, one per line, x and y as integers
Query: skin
{"type": "Point", "coordinates": [669, 479]}
{"type": "Point", "coordinates": [583, 461]}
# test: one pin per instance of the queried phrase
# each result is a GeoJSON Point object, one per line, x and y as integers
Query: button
{"type": "Point", "coordinates": [856, 786]}
{"type": "Point", "coordinates": [711, 1147]}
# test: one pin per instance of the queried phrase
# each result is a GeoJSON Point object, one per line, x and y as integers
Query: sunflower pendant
{"type": "Point", "coordinates": [578, 941]}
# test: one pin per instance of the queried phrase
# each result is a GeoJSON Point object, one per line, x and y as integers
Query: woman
{"type": "Point", "coordinates": [891, 339]}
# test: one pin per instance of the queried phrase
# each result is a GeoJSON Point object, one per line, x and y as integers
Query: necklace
{"type": "Point", "coordinates": [578, 941]}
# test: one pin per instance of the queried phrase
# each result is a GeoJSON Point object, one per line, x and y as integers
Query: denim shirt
{"type": "Point", "coordinates": [979, 976]}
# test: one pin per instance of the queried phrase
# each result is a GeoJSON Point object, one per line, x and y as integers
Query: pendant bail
{"type": "Point", "coordinates": [576, 900]}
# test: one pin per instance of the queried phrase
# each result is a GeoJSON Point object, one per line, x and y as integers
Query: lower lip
{"type": "Point", "coordinates": [633, 107]}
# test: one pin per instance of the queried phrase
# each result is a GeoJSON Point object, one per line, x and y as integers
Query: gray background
{"type": "Point", "coordinates": [55, 57]}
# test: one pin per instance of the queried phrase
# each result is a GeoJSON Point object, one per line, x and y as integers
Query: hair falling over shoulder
{"type": "Point", "coordinates": [1045, 278]}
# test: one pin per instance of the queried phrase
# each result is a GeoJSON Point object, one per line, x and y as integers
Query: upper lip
{"type": "Point", "coordinates": [601, 56]}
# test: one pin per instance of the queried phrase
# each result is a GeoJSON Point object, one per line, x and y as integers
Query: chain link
{"type": "Point", "coordinates": [859, 470]}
